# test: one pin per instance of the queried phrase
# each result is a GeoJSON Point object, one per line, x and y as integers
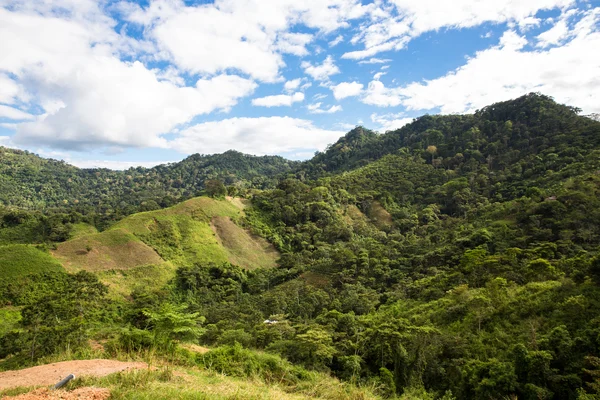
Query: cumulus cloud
{"type": "Point", "coordinates": [377, 94]}
{"type": "Point", "coordinates": [390, 122]}
{"type": "Point", "coordinates": [316, 109]}
{"type": "Point", "coordinates": [89, 96]}
{"type": "Point", "coordinates": [278, 100]}
{"type": "Point", "coordinates": [10, 91]}
{"type": "Point", "coordinates": [292, 85]}
{"type": "Point", "coordinates": [294, 43]}
{"type": "Point", "coordinates": [323, 71]}
{"type": "Point", "coordinates": [346, 89]}
{"type": "Point", "coordinates": [254, 32]}
{"type": "Point", "coordinates": [508, 70]}
{"type": "Point", "coordinates": [264, 135]}
{"type": "Point", "coordinates": [393, 29]}
{"type": "Point", "coordinates": [14, 113]}
{"type": "Point", "coordinates": [339, 39]}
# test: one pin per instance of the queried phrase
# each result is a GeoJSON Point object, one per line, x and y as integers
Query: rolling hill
{"type": "Point", "coordinates": [200, 230]}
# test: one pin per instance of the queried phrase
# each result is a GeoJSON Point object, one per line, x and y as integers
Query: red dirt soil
{"type": "Point", "coordinates": [51, 374]}
{"type": "Point", "coordinates": [84, 393]}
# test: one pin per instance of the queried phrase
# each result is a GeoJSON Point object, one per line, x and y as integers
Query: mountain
{"type": "Point", "coordinates": [32, 182]}
{"type": "Point", "coordinates": [455, 258]}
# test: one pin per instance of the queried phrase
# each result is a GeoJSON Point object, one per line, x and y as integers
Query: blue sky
{"type": "Point", "coordinates": [126, 83]}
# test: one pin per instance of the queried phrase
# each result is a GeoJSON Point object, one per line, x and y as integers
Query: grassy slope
{"type": "Point", "coordinates": [242, 248]}
{"type": "Point", "coordinates": [183, 234]}
{"type": "Point", "coordinates": [82, 229]}
{"type": "Point", "coordinates": [21, 259]}
{"type": "Point", "coordinates": [122, 282]}
{"type": "Point", "coordinates": [114, 249]}
{"type": "Point", "coordinates": [199, 230]}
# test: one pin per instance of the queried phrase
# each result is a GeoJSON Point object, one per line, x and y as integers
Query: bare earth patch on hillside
{"type": "Point", "coordinates": [243, 248]}
{"type": "Point", "coordinates": [108, 250]}
{"type": "Point", "coordinates": [50, 374]}
{"type": "Point", "coordinates": [316, 279]}
{"type": "Point", "coordinates": [84, 393]}
{"type": "Point", "coordinates": [380, 216]}
{"type": "Point", "coordinates": [240, 203]}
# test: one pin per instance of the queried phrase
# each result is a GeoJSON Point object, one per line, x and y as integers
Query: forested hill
{"type": "Point", "coordinates": [455, 258]}
{"type": "Point", "coordinates": [29, 181]}
{"type": "Point", "coordinates": [510, 136]}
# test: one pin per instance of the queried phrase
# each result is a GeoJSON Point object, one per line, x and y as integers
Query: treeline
{"type": "Point", "coordinates": [30, 182]}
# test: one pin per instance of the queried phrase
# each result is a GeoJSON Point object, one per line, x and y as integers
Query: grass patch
{"type": "Point", "coordinates": [228, 372]}
{"type": "Point", "coordinates": [82, 229]}
{"type": "Point", "coordinates": [9, 318]}
{"type": "Point", "coordinates": [243, 248]}
{"type": "Point", "coordinates": [21, 259]}
{"type": "Point", "coordinates": [122, 282]}
{"type": "Point", "coordinates": [109, 250]}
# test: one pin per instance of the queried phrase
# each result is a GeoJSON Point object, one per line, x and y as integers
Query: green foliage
{"type": "Point", "coordinates": [20, 259]}
{"type": "Point", "coordinates": [31, 182]}
{"type": "Point", "coordinates": [457, 256]}
{"type": "Point", "coordinates": [237, 361]}
{"type": "Point", "coordinates": [57, 319]}
{"type": "Point", "coordinates": [171, 323]}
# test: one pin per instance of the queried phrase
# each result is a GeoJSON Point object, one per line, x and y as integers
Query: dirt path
{"type": "Point", "coordinates": [85, 393]}
{"type": "Point", "coordinates": [50, 374]}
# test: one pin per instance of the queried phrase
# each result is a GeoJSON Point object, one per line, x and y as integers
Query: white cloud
{"type": "Point", "coordinates": [92, 98]}
{"type": "Point", "coordinates": [346, 89]}
{"type": "Point", "coordinates": [316, 109]}
{"type": "Point", "coordinates": [321, 72]}
{"type": "Point", "coordinates": [336, 41]}
{"type": "Point", "coordinates": [377, 94]}
{"type": "Point", "coordinates": [219, 43]}
{"type": "Point", "coordinates": [375, 61]}
{"type": "Point", "coordinates": [390, 122]}
{"type": "Point", "coordinates": [568, 73]}
{"type": "Point", "coordinates": [292, 85]}
{"type": "Point", "coordinates": [553, 36]}
{"type": "Point", "coordinates": [319, 96]}
{"type": "Point", "coordinates": [244, 36]}
{"type": "Point", "coordinates": [378, 75]}
{"type": "Point", "coordinates": [393, 30]}
{"type": "Point", "coordinates": [14, 113]}
{"type": "Point", "coordinates": [265, 135]}
{"type": "Point", "coordinates": [113, 164]}
{"type": "Point", "coordinates": [294, 43]}
{"type": "Point", "coordinates": [10, 91]}
{"type": "Point", "coordinates": [278, 100]}
{"type": "Point", "coordinates": [5, 141]}
{"type": "Point", "coordinates": [345, 126]}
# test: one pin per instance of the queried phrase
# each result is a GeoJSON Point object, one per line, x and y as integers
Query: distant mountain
{"type": "Point", "coordinates": [29, 181]}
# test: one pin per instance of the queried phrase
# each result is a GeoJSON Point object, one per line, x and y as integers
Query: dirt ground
{"type": "Point", "coordinates": [85, 393]}
{"type": "Point", "coordinates": [50, 374]}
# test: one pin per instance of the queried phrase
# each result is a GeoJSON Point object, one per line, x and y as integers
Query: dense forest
{"type": "Point", "coordinates": [457, 257]}
{"type": "Point", "coordinates": [31, 182]}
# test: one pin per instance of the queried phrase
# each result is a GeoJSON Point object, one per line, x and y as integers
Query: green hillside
{"type": "Point", "coordinates": [199, 230]}
{"type": "Point", "coordinates": [32, 182]}
{"type": "Point", "coordinates": [114, 249]}
{"type": "Point", "coordinates": [455, 258]}
{"type": "Point", "coordinates": [19, 260]}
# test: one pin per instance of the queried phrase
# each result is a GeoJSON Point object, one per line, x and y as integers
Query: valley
{"type": "Point", "coordinates": [454, 258]}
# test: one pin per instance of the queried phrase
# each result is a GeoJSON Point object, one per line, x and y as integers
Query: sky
{"type": "Point", "coordinates": [115, 84]}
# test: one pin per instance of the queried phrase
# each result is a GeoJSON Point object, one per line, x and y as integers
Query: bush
{"type": "Point", "coordinates": [237, 361]}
